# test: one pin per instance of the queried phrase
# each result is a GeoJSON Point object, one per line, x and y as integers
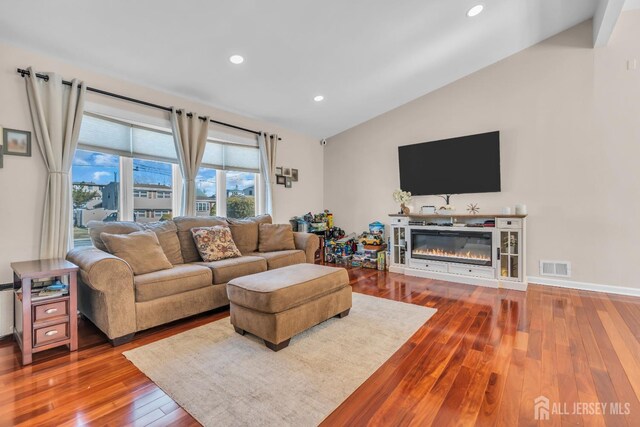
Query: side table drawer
{"type": "Point", "coordinates": [50, 334]}
{"type": "Point", "coordinates": [49, 311]}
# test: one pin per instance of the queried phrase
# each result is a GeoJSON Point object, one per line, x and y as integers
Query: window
{"type": "Point", "coordinates": [206, 189]}
{"type": "Point", "coordinates": [236, 165]}
{"type": "Point", "coordinates": [153, 181]}
{"type": "Point", "coordinates": [115, 157]}
{"type": "Point", "coordinates": [241, 200]}
{"type": "Point", "coordinates": [96, 188]}
{"type": "Point", "coordinates": [203, 207]}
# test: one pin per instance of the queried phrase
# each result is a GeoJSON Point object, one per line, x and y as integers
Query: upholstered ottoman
{"type": "Point", "coordinates": [277, 304]}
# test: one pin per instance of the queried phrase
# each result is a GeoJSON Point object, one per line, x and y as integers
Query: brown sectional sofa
{"type": "Point", "coordinates": [121, 303]}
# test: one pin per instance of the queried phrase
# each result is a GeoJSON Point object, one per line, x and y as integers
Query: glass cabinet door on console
{"type": "Point", "coordinates": [398, 246]}
{"type": "Point", "coordinates": [510, 255]}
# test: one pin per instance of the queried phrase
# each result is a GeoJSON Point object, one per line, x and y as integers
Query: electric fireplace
{"type": "Point", "coordinates": [464, 247]}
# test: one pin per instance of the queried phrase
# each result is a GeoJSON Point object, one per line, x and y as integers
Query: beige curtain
{"type": "Point", "coordinates": [268, 145]}
{"type": "Point", "coordinates": [56, 113]}
{"type": "Point", "coordinates": [190, 137]}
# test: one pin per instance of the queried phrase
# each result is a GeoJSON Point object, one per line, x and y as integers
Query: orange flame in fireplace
{"type": "Point", "coordinates": [449, 254]}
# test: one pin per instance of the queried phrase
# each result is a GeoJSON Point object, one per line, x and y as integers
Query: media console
{"type": "Point", "coordinates": [484, 250]}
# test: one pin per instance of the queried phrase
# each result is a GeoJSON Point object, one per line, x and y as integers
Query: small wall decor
{"type": "Point", "coordinates": [286, 176]}
{"type": "Point", "coordinates": [16, 142]}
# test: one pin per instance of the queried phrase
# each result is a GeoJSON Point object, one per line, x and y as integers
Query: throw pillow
{"type": "Point", "coordinates": [140, 249]}
{"type": "Point", "coordinates": [275, 237]}
{"type": "Point", "coordinates": [184, 225]}
{"type": "Point", "coordinates": [110, 227]}
{"type": "Point", "coordinates": [215, 243]}
{"type": "Point", "coordinates": [168, 237]}
{"type": "Point", "coordinates": [245, 232]}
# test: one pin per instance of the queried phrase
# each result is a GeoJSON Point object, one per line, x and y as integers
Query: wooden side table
{"type": "Point", "coordinates": [49, 322]}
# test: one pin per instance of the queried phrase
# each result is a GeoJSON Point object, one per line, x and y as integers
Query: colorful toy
{"type": "Point", "coordinates": [371, 239]}
{"type": "Point", "coordinates": [376, 228]}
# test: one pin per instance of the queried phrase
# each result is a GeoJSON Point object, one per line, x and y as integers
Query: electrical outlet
{"type": "Point", "coordinates": [632, 64]}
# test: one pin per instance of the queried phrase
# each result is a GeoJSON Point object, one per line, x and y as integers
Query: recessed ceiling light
{"type": "Point", "coordinates": [236, 59]}
{"type": "Point", "coordinates": [475, 10]}
{"type": "Point", "coordinates": [318, 98]}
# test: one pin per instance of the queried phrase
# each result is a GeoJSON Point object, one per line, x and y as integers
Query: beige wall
{"type": "Point", "coordinates": [569, 117]}
{"type": "Point", "coordinates": [22, 180]}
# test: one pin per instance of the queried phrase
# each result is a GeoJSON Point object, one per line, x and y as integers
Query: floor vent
{"type": "Point", "coordinates": [555, 268]}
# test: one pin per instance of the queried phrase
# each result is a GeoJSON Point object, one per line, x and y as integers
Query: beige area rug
{"type": "Point", "coordinates": [223, 378]}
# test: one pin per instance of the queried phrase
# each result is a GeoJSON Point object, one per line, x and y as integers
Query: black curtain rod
{"type": "Point", "coordinates": [23, 73]}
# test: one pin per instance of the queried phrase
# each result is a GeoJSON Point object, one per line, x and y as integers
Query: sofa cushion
{"type": "Point", "coordinates": [278, 259]}
{"type": "Point", "coordinates": [227, 269]}
{"type": "Point", "coordinates": [184, 225]}
{"type": "Point", "coordinates": [275, 237]}
{"type": "Point", "coordinates": [167, 233]}
{"type": "Point", "coordinates": [245, 231]}
{"type": "Point", "coordinates": [181, 278]}
{"type": "Point", "coordinates": [140, 249]}
{"type": "Point", "coordinates": [278, 290]}
{"type": "Point", "coordinates": [116, 227]}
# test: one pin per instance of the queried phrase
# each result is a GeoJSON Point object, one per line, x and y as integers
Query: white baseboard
{"type": "Point", "coordinates": [585, 286]}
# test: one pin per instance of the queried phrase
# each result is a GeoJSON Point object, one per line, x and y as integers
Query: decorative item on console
{"type": "Point", "coordinates": [448, 208]}
{"type": "Point", "coordinates": [402, 197]}
{"type": "Point", "coordinates": [473, 208]}
{"type": "Point", "coordinates": [521, 209]}
{"type": "Point", "coordinates": [428, 210]}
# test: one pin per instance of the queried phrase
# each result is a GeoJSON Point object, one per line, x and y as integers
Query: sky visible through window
{"type": "Point", "coordinates": [150, 172]}
{"type": "Point", "coordinates": [98, 168]}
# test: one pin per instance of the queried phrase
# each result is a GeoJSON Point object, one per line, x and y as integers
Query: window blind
{"type": "Point", "coordinates": [124, 139]}
{"type": "Point", "coordinates": [128, 140]}
{"type": "Point", "coordinates": [226, 156]}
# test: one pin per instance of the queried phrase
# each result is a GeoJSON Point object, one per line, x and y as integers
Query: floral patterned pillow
{"type": "Point", "coordinates": [215, 243]}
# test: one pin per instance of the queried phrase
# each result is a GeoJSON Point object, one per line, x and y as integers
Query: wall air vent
{"type": "Point", "coordinates": [555, 268]}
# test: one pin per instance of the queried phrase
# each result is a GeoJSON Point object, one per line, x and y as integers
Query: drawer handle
{"type": "Point", "coordinates": [51, 333]}
{"type": "Point", "coordinates": [51, 311]}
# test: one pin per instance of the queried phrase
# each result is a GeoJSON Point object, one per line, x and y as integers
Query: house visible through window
{"type": "Point", "coordinates": [206, 189]}
{"type": "Point", "coordinates": [153, 182]}
{"type": "Point", "coordinates": [95, 191]}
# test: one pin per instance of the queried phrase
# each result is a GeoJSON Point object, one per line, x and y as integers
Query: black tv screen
{"type": "Point", "coordinates": [467, 164]}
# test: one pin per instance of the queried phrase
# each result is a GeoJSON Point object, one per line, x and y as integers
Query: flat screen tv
{"type": "Point", "coordinates": [467, 164]}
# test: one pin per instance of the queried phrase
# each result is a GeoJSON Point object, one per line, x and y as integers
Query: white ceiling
{"type": "Point", "coordinates": [631, 4]}
{"type": "Point", "coordinates": [365, 56]}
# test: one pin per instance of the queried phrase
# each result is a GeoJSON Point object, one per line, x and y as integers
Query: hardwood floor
{"type": "Point", "coordinates": [482, 359]}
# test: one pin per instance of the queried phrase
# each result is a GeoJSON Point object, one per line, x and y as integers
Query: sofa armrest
{"type": "Point", "coordinates": [105, 291]}
{"type": "Point", "coordinates": [309, 243]}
